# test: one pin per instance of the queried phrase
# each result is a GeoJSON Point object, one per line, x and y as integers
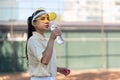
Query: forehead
{"type": "Point", "coordinates": [43, 15]}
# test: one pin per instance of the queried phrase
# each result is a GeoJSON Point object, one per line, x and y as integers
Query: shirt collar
{"type": "Point", "coordinates": [39, 35]}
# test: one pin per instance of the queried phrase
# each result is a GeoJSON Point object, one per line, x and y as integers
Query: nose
{"type": "Point", "coordinates": [46, 20]}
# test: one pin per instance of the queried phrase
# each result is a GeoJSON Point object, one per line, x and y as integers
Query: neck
{"type": "Point", "coordinates": [41, 32]}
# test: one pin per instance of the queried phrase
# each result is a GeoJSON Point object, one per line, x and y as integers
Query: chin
{"type": "Point", "coordinates": [46, 29]}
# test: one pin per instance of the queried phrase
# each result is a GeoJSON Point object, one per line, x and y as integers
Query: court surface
{"type": "Point", "coordinates": [75, 75]}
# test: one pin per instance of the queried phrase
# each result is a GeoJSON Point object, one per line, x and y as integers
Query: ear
{"type": "Point", "coordinates": [34, 23]}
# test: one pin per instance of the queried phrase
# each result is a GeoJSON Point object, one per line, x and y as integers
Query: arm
{"type": "Point", "coordinates": [49, 49]}
{"type": "Point", "coordinates": [48, 52]}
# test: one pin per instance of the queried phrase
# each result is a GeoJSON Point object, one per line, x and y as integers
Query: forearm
{"type": "Point", "coordinates": [48, 52]}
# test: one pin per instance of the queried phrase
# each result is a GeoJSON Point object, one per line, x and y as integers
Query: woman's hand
{"type": "Point", "coordinates": [63, 71]}
{"type": "Point", "coordinates": [56, 32]}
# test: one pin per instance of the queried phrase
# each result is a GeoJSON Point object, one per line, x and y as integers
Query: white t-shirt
{"type": "Point", "coordinates": [35, 47]}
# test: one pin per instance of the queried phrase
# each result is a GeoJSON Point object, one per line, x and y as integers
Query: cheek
{"type": "Point", "coordinates": [39, 24]}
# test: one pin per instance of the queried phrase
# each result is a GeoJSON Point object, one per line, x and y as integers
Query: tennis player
{"type": "Point", "coordinates": [40, 51]}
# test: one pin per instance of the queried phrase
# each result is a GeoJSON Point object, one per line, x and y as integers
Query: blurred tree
{"type": "Point", "coordinates": [9, 59]}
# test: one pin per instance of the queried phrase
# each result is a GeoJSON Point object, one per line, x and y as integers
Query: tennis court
{"type": "Point", "coordinates": [75, 75]}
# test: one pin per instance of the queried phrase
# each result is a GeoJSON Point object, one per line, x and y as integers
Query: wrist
{"type": "Point", "coordinates": [58, 69]}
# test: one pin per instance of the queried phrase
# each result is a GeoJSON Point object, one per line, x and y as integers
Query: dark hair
{"type": "Point", "coordinates": [30, 28]}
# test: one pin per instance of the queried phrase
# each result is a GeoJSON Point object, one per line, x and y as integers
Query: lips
{"type": "Point", "coordinates": [47, 25]}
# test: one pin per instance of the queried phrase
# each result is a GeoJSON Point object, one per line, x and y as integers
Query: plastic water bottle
{"type": "Point", "coordinates": [59, 39]}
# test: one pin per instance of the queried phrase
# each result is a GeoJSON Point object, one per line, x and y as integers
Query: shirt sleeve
{"type": "Point", "coordinates": [36, 48]}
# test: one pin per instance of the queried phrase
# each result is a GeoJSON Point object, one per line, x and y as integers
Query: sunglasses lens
{"type": "Point", "coordinates": [43, 18]}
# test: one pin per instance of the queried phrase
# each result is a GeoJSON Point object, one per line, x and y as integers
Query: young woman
{"type": "Point", "coordinates": [40, 51]}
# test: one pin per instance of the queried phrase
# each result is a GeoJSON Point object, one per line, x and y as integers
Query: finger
{"type": "Point", "coordinates": [67, 72]}
{"type": "Point", "coordinates": [58, 33]}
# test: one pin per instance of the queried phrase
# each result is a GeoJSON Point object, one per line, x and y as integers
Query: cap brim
{"type": "Point", "coordinates": [52, 16]}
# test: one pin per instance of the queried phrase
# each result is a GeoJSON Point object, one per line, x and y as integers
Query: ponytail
{"type": "Point", "coordinates": [30, 27]}
{"type": "Point", "coordinates": [29, 32]}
